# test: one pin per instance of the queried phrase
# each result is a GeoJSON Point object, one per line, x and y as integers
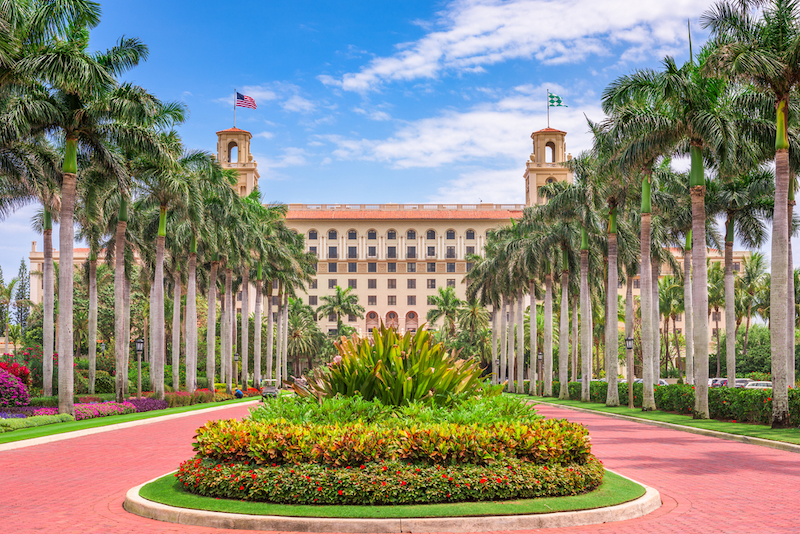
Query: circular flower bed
{"type": "Point", "coordinates": [12, 391]}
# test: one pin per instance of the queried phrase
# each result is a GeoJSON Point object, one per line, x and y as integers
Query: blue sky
{"type": "Point", "coordinates": [387, 101]}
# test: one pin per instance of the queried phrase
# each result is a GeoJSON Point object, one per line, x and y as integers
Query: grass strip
{"type": "Point", "coordinates": [786, 435]}
{"type": "Point", "coordinates": [614, 490]}
{"type": "Point", "coordinates": [60, 428]}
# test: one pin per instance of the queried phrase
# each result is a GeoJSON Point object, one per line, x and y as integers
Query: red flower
{"type": "Point", "coordinates": [483, 481]}
{"type": "Point", "coordinates": [340, 492]}
{"type": "Point", "coordinates": [383, 483]}
{"type": "Point", "coordinates": [241, 487]}
{"type": "Point", "coordinates": [319, 489]}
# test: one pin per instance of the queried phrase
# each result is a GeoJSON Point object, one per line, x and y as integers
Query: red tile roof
{"type": "Point", "coordinates": [232, 130]}
{"type": "Point", "coordinates": [347, 215]}
{"type": "Point", "coordinates": [549, 130]}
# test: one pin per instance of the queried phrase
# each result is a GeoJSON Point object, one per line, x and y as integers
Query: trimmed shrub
{"type": "Point", "coordinates": [7, 425]}
{"type": "Point", "coordinates": [12, 391]}
{"type": "Point", "coordinates": [103, 382]}
{"type": "Point", "coordinates": [391, 482]}
{"type": "Point", "coordinates": [545, 441]}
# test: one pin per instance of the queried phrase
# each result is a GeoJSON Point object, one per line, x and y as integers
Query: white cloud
{"type": "Point", "coordinates": [499, 129]}
{"type": "Point", "coordinates": [373, 115]}
{"type": "Point", "coordinates": [291, 157]}
{"type": "Point", "coordinates": [483, 185]}
{"type": "Point", "coordinates": [471, 34]}
{"type": "Point", "coordinates": [299, 104]}
{"type": "Point", "coordinates": [265, 135]}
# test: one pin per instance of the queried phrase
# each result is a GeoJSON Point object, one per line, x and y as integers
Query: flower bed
{"type": "Point", "coordinates": [146, 404]}
{"type": "Point", "coordinates": [388, 482]}
{"type": "Point", "coordinates": [12, 391]}
{"type": "Point", "coordinates": [7, 425]}
{"type": "Point", "coordinates": [93, 410]}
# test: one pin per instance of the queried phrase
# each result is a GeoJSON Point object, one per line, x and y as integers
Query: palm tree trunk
{"type": "Point", "coordinates": [629, 334]}
{"type": "Point", "coordinates": [747, 326]}
{"type": "Point", "coordinates": [66, 378]}
{"type": "Point", "coordinates": [612, 330]}
{"type": "Point", "coordinates": [586, 327]}
{"type": "Point", "coordinates": [656, 267]}
{"type": "Point", "coordinates": [235, 349]}
{"type": "Point", "coordinates": [575, 334]}
{"type": "Point", "coordinates": [677, 345]}
{"type": "Point", "coordinates": [548, 335]}
{"type": "Point", "coordinates": [257, 335]}
{"type": "Point", "coordinates": [790, 380]}
{"type": "Point", "coordinates": [120, 337]}
{"type": "Point", "coordinates": [92, 322]}
{"type": "Point", "coordinates": [211, 327]}
{"type": "Point", "coordinates": [563, 340]}
{"type": "Point", "coordinates": [520, 374]}
{"type": "Point", "coordinates": [270, 332]}
{"type": "Point", "coordinates": [667, 357]}
{"type": "Point", "coordinates": [159, 355]}
{"type": "Point", "coordinates": [279, 341]}
{"type": "Point", "coordinates": [49, 305]}
{"type": "Point", "coordinates": [191, 324]}
{"type": "Point", "coordinates": [501, 375]}
{"type": "Point", "coordinates": [687, 308]}
{"type": "Point", "coordinates": [730, 307]}
{"type": "Point", "coordinates": [285, 348]}
{"type": "Point", "coordinates": [648, 398]}
{"type": "Point", "coordinates": [510, 345]}
{"type": "Point", "coordinates": [126, 332]}
{"type": "Point", "coordinates": [230, 314]}
{"type": "Point", "coordinates": [176, 332]}
{"type": "Point", "coordinates": [716, 322]}
{"type": "Point", "coordinates": [533, 341]}
{"type": "Point", "coordinates": [495, 363]}
{"type": "Point", "coordinates": [245, 349]}
{"type": "Point", "coordinates": [223, 340]}
{"type": "Point", "coordinates": [699, 284]}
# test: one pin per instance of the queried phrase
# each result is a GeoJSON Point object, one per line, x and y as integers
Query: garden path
{"type": "Point", "coordinates": [707, 484]}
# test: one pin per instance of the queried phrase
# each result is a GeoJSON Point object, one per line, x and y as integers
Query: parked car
{"type": "Point", "coordinates": [716, 382]}
{"type": "Point", "coordinates": [763, 384]}
{"type": "Point", "coordinates": [742, 382]}
{"type": "Point", "coordinates": [661, 382]}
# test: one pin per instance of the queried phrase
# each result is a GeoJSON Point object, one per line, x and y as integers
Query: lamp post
{"type": "Point", "coordinates": [103, 348]}
{"type": "Point", "coordinates": [541, 361]}
{"type": "Point", "coordinates": [236, 371]}
{"type": "Point", "coordinates": [631, 377]}
{"type": "Point", "coordinates": [495, 372]}
{"type": "Point", "coordinates": [139, 348]}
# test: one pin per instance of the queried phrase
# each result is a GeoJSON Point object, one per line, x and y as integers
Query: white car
{"type": "Point", "coordinates": [661, 382]}
{"type": "Point", "coordinates": [759, 385]}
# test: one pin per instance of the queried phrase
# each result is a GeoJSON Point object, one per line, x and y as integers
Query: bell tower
{"type": "Point", "coordinates": [233, 152]}
{"type": "Point", "coordinates": [544, 165]}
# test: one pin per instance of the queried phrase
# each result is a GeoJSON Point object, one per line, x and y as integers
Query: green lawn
{"type": "Point", "coordinates": [787, 435]}
{"type": "Point", "coordinates": [614, 490]}
{"type": "Point", "coordinates": [60, 428]}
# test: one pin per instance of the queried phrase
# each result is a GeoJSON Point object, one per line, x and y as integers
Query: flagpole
{"type": "Point", "coordinates": [234, 108]}
{"type": "Point", "coordinates": [547, 103]}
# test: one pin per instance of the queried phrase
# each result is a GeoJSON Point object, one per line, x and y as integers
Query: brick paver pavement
{"type": "Point", "coordinates": [707, 484]}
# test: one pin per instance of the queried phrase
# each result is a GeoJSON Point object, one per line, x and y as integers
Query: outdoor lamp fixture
{"type": "Point", "coordinates": [103, 348]}
{"type": "Point", "coordinates": [236, 372]}
{"type": "Point", "coordinates": [629, 357]}
{"type": "Point", "coordinates": [541, 378]}
{"type": "Point", "coordinates": [139, 348]}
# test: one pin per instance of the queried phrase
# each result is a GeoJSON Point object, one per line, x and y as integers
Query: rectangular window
{"type": "Point", "coordinates": [372, 234]}
{"type": "Point", "coordinates": [391, 267]}
{"type": "Point", "coordinates": [431, 252]}
{"type": "Point", "coordinates": [313, 284]}
{"type": "Point", "coordinates": [352, 267]}
{"type": "Point", "coordinates": [470, 266]}
{"type": "Point", "coordinates": [451, 253]}
{"type": "Point", "coordinates": [275, 301]}
{"type": "Point", "coordinates": [451, 234]}
{"type": "Point", "coordinates": [411, 234]}
{"type": "Point", "coordinates": [412, 283]}
{"type": "Point", "coordinates": [736, 266]}
{"type": "Point", "coordinates": [391, 283]}
{"type": "Point", "coordinates": [411, 253]}
{"type": "Point", "coordinates": [372, 301]}
{"type": "Point", "coordinates": [411, 267]}
{"type": "Point", "coordinates": [470, 250]}
{"type": "Point", "coordinates": [679, 317]}
{"type": "Point", "coordinates": [332, 317]}
{"type": "Point", "coordinates": [391, 234]}
{"type": "Point", "coordinates": [470, 234]}
{"type": "Point", "coordinates": [239, 296]}
{"type": "Point", "coordinates": [372, 251]}
{"type": "Point", "coordinates": [333, 267]}
{"type": "Point", "coordinates": [372, 267]}
{"type": "Point", "coordinates": [314, 265]}
{"type": "Point", "coordinates": [620, 283]}
{"type": "Point", "coordinates": [451, 267]}
{"type": "Point", "coordinates": [637, 283]}
{"type": "Point", "coordinates": [412, 300]}
{"type": "Point", "coordinates": [351, 283]}
{"type": "Point", "coordinates": [312, 234]}
{"type": "Point", "coordinates": [312, 300]}
{"type": "Point", "coordinates": [351, 318]}
{"type": "Point", "coordinates": [274, 284]}
{"type": "Point", "coordinates": [430, 234]}
{"type": "Point", "coordinates": [391, 300]}
{"type": "Point", "coordinates": [716, 316]}
{"type": "Point", "coordinates": [372, 283]}
{"type": "Point", "coordinates": [431, 267]}
{"type": "Point", "coordinates": [351, 234]}
{"type": "Point", "coordinates": [331, 234]}
{"type": "Point", "coordinates": [430, 300]}
{"type": "Point", "coordinates": [352, 252]}
{"type": "Point", "coordinates": [313, 250]}
{"type": "Point", "coordinates": [431, 283]}
{"type": "Point", "coordinates": [391, 252]}
{"type": "Point", "coordinates": [333, 253]}
{"type": "Point", "coordinates": [451, 282]}
{"type": "Point", "coordinates": [332, 283]}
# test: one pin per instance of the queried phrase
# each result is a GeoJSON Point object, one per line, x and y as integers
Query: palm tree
{"type": "Point", "coordinates": [763, 52]}
{"type": "Point", "coordinates": [752, 278]}
{"type": "Point", "coordinates": [670, 302]}
{"type": "Point", "coordinates": [473, 317]}
{"type": "Point", "coordinates": [6, 298]}
{"type": "Point", "coordinates": [716, 299]}
{"type": "Point", "coordinates": [445, 306]}
{"type": "Point", "coordinates": [342, 302]}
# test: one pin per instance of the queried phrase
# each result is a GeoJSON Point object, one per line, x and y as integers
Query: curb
{"type": "Point", "coordinates": [780, 445]}
{"type": "Point", "coordinates": [140, 506]}
{"type": "Point", "coordinates": [108, 428]}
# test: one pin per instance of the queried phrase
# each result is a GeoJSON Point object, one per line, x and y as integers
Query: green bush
{"type": "Point", "coordinates": [7, 425]}
{"type": "Point", "coordinates": [103, 382]}
{"type": "Point", "coordinates": [397, 370]}
{"type": "Point", "coordinates": [389, 482]}
{"type": "Point", "coordinates": [202, 382]}
{"type": "Point", "coordinates": [544, 441]}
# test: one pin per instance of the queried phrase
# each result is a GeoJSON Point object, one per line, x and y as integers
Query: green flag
{"type": "Point", "coordinates": [555, 101]}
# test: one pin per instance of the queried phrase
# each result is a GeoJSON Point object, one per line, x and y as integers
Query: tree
{"type": "Point", "coordinates": [763, 50]}
{"type": "Point", "coordinates": [342, 302]}
{"type": "Point", "coordinates": [6, 299]}
{"type": "Point", "coordinates": [22, 298]}
{"type": "Point", "coordinates": [445, 306]}
{"type": "Point", "coordinates": [716, 298]}
{"type": "Point", "coordinates": [472, 317]}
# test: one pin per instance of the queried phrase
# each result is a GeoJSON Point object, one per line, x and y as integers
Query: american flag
{"type": "Point", "coordinates": [245, 101]}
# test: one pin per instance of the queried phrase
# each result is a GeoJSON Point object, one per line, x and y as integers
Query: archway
{"type": "Point", "coordinates": [550, 152]}
{"type": "Point", "coordinates": [412, 321]}
{"type": "Point", "coordinates": [233, 152]}
{"type": "Point", "coordinates": [392, 321]}
{"type": "Point", "coordinates": [372, 321]}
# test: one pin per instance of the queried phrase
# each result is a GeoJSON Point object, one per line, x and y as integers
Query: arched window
{"type": "Point", "coordinates": [412, 321]}
{"type": "Point", "coordinates": [352, 234]}
{"type": "Point", "coordinates": [451, 234]}
{"type": "Point", "coordinates": [431, 234]}
{"type": "Point", "coordinates": [332, 234]}
{"type": "Point", "coordinates": [233, 152]}
{"type": "Point", "coordinates": [391, 234]}
{"type": "Point", "coordinates": [411, 234]}
{"type": "Point", "coordinates": [312, 235]}
{"type": "Point", "coordinates": [551, 180]}
{"type": "Point", "coordinates": [470, 234]}
{"type": "Point", "coordinates": [392, 321]}
{"type": "Point", "coordinates": [550, 152]}
{"type": "Point", "coordinates": [372, 320]}
{"type": "Point", "coordinates": [372, 234]}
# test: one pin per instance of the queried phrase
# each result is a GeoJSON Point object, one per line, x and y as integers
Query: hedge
{"type": "Point", "coordinates": [728, 404]}
{"type": "Point", "coordinates": [545, 441]}
{"type": "Point", "coordinates": [7, 425]}
{"type": "Point", "coordinates": [389, 482]}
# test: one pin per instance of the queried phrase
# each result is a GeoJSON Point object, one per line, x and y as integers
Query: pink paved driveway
{"type": "Point", "coordinates": [707, 484]}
